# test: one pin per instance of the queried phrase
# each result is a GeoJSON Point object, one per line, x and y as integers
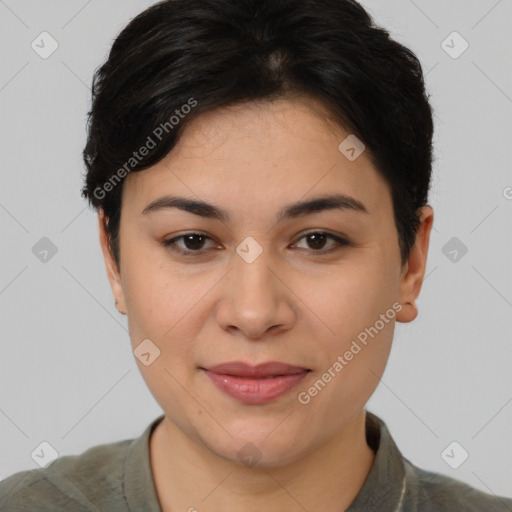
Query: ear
{"type": "Point", "coordinates": [414, 269]}
{"type": "Point", "coordinates": [113, 273]}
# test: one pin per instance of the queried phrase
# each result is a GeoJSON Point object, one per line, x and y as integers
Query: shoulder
{"type": "Point", "coordinates": [82, 482]}
{"type": "Point", "coordinates": [433, 492]}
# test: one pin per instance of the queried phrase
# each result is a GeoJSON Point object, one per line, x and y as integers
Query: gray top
{"type": "Point", "coordinates": [117, 477]}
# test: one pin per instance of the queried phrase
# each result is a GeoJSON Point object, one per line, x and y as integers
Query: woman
{"type": "Point", "coordinates": [261, 172]}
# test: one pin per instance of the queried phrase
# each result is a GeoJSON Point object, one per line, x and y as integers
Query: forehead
{"type": "Point", "coordinates": [257, 156]}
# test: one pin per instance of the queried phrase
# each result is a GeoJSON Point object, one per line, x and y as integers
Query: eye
{"type": "Point", "coordinates": [317, 239]}
{"type": "Point", "coordinates": [194, 243]}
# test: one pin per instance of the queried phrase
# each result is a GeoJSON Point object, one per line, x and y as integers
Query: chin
{"type": "Point", "coordinates": [257, 449]}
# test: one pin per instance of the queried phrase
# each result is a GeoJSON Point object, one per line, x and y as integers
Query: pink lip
{"type": "Point", "coordinates": [255, 384]}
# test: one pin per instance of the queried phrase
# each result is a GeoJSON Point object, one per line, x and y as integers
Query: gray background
{"type": "Point", "coordinates": [68, 376]}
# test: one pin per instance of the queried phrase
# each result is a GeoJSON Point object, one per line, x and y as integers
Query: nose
{"type": "Point", "coordinates": [256, 300]}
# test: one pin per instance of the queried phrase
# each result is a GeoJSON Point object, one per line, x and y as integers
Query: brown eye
{"type": "Point", "coordinates": [316, 242]}
{"type": "Point", "coordinates": [193, 243]}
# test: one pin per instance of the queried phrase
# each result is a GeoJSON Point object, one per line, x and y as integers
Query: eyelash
{"type": "Point", "coordinates": [171, 244]}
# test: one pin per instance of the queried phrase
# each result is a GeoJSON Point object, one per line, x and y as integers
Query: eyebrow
{"type": "Point", "coordinates": [291, 211]}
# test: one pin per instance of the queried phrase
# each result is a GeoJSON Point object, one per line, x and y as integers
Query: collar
{"type": "Point", "coordinates": [384, 487]}
{"type": "Point", "coordinates": [138, 484]}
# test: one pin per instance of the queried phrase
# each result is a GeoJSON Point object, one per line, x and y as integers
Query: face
{"type": "Point", "coordinates": [262, 282]}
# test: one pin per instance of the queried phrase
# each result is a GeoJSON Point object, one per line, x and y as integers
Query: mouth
{"type": "Point", "coordinates": [255, 384]}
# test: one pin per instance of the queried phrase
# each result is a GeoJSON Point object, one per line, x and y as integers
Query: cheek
{"type": "Point", "coordinates": [156, 297]}
{"type": "Point", "coordinates": [348, 299]}
{"type": "Point", "coordinates": [356, 308]}
{"type": "Point", "coordinates": [164, 311]}
{"type": "Point", "coordinates": [168, 304]}
{"type": "Point", "coordinates": [148, 283]}
{"type": "Point", "coordinates": [161, 309]}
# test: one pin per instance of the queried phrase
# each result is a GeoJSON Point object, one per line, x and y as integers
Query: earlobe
{"type": "Point", "coordinates": [408, 312]}
{"type": "Point", "coordinates": [113, 273]}
{"type": "Point", "coordinates": [414, 269]}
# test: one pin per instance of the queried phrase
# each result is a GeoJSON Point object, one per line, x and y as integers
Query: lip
{"type": "Point", "coordinates": [255, 384]}
{"type": "Point", "coordinates": [241, 369]}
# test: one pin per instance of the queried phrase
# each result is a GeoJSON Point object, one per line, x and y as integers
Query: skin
{"type": "Point", "coordinates": [288, 305]}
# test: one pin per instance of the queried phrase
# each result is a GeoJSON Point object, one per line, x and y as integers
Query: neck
{"type": "Point", "coordinates": [188, 476]}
